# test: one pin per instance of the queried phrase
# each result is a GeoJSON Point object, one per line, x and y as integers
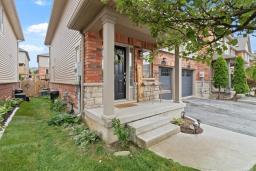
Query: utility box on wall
{"type": "Point", "coordinates": [201, 74]}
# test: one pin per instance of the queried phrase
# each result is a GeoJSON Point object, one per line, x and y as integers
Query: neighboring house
{"type": "Point", "coordinates": [242, 49]}
{"type": "Point", "coordinates": [23, 64]}
{"type": "Point", "coordinates": [10, 35]}
{"type": "Point", "coordinates": [43, 66]}
{"type": "Point", "coordinates": [97, 58]}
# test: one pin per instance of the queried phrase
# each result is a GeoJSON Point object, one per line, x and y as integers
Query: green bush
{"type": "Point", "coordinates": [7, 106]}
{"type": "Point", "coordinates": [84, 136]}
{"type": "Point", "coordinates": [239, 80]}
{"type": "Point", "coordinates": [59, 119]}
{"type": "Point", "coordinates": [59, 105]}
{"type": "Point", "coordinates": [220, 77]}
{"type": "Point", "coordinates": [122, 132]}
{"type": "Point", "coordinates": [177, 121]}
{"type": "Point", "coordinates": [81, 134]}
{"type": "Point", "coordinates": [3, 112]}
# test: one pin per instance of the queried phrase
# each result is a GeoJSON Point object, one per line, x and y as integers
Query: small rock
{"type": "Point", "coordinates": [122, 153]}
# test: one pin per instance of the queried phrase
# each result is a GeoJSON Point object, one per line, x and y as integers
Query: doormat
{"type": "Point", "coordinates": [125, 105]}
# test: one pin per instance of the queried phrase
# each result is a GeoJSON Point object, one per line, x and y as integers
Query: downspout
{"type": "Point", "coordinates": [82, 74]}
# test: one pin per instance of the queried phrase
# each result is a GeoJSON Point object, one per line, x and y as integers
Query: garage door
{"type": "Point", "coordinates": [165, 78]}
{"type": "Point", "coordinates": [187, 82]}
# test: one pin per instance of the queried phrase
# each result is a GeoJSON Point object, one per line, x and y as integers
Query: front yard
{"type": "Point", "coordinates": [30, 144]}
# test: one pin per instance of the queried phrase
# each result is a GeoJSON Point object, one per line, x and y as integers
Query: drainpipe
{"type": "Point", "coordinates": [82, 50]}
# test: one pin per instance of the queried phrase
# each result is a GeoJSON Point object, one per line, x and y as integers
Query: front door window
{"type": "Point", "coordinates": [120, 72]}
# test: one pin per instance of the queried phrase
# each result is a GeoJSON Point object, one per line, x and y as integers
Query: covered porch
{"type": "Point", "coordinates": [103, 19]}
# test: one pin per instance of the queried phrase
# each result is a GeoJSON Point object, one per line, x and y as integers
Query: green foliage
{"type": "Point", "coordinates": [81, 134]}
{"type": "Point", "coordinates": [30, 144]}
{"type": "Point", "coordinates": [251, 72]}
{"type": "Point", "coordinates": [59, 105]}
{"type": "Point", "coordinates": [195, 25]}
{"type": "Point", "coordinates": [7, 106]}
{"type": "Point", "coordinates": [122, 132]}
{"type": "Point", "coordinates": [239, 79]}
{"type": "Point", "coordinates": [178, 121]}
{"type": "Point", "coordinates": [220, 77]}
{"type": "Point", "coordinates": [84, 136]}
{"type": "Point", "coordinates": [59, 119]}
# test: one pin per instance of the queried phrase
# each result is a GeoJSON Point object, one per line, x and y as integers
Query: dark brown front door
{"type": "Point", "coordinates": [120, 72]}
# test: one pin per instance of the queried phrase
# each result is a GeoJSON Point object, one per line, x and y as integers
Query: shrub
{"type": "Point", "coordinates": [121, 132]}
{"type": "Point", "coordinates": [220, 77]}
{"type": "Point", "coordinates": [3, 112]}
{"type": "Point", "coordinates": [81, 134]}
{"type": "Point", "coordinates": [84, 136]}
{"type": "Point", "coordinates": [59, 105]}
{"type": "Point", "coordinates": [239, 80]}
{"type": "Point", "coordinates": [177, 121]}
{"type": "Point", "coordinates": [60, 119]}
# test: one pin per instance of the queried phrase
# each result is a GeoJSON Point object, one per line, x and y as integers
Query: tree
{"type": "Point", "coordinates": [251, 77]}
{"type": "Point", "coordinates": [220, 78]}
{"type": "Point", "coordinates": [198, 26]}
{"type": "Point", "coordinates": [239, 79]}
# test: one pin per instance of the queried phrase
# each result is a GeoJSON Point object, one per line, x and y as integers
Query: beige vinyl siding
{"type": "Point", "coordinates": [43, 62]}
{"type": "Point", "coordinates": [23, 59]}
{"type": "Point", "coordinates": [8, 53]}
{"type": "Point", "coordinates": [63, 48]}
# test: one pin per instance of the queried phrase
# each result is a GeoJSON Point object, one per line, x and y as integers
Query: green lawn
{"type": "Point", "coordinates": [30, 144]}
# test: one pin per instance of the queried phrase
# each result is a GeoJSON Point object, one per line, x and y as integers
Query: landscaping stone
{"type": "Point", "coordinates": [122, 153]}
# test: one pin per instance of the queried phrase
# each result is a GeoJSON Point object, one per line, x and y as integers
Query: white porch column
{"type": "Point", "coordinates": [177, 76]}
{"type": "Point", "coordinates": [108, 66]}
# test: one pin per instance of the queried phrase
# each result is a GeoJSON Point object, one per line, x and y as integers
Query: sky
{"type": "Point", "coordinates": [34, 16]}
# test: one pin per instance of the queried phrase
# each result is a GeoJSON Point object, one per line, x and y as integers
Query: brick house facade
{"type": "Point", "coordinates": [7, 90]}
{"type": "Point", "coordinates": [143, 91]}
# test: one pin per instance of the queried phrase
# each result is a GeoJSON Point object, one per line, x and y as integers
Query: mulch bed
{"type": "Point", "coordinates": [188, 128]}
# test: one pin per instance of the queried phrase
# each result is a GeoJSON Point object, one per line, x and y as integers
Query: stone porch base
{"type": "Point", "coordinates": [142, 110]}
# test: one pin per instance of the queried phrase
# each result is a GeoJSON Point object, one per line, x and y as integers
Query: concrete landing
{"type": "Point", "coordinates": [214, 150]}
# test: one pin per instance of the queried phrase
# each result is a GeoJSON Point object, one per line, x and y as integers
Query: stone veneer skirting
{"type": "Point", "coordinates": [206, 89]}
{"type": "Point", "coordinates": [150, 90]}
{"type": "Point", "coordinates": [92, 95]}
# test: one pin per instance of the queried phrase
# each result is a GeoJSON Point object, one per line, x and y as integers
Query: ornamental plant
{"type": "Point", "coordinates": [239, 80]}
{"type": "Point", "coordinates": [220, 77]}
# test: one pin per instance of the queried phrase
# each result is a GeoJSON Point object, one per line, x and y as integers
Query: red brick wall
{"type": "Point", "coordinates": [42, 72]}
{"type": "Point", "coordinates": [6, 90]}
{"type": "Point", "coordinates": [93, 53]}
{"type": "Point", "coordinates": [70, 89]}
{"type": "Point", "coordinates": [186, 64]}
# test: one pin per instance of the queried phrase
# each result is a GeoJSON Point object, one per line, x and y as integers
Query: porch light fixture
{"type": "Point", "coordinates": [163, 62]}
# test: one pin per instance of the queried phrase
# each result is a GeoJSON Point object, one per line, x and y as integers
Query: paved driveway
{"type": "Point", "coordinates": [235, 116]}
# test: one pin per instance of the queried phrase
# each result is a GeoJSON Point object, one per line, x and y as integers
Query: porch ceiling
{"type": "Point", "coordinates": [88, 17]}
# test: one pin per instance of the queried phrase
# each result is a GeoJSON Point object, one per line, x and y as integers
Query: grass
{"type": "Point", "coordinates": [30, 144]}
{"type": "Point", "coordinates": [254, 168]}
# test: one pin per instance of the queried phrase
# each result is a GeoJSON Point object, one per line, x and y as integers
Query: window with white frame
{"type": "Point", "coordinates": [147, 65]}
{"type": "Point", "coordinates": [1, 19]}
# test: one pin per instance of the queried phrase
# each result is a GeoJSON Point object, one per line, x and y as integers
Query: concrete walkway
{"type": "Point", "coordinates": [214, 150]}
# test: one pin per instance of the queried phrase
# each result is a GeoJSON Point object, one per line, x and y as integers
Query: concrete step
{"type": "Point", "coordinates": [154, 136]}
{"type": "Point", "coordinates": [144, 125]}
